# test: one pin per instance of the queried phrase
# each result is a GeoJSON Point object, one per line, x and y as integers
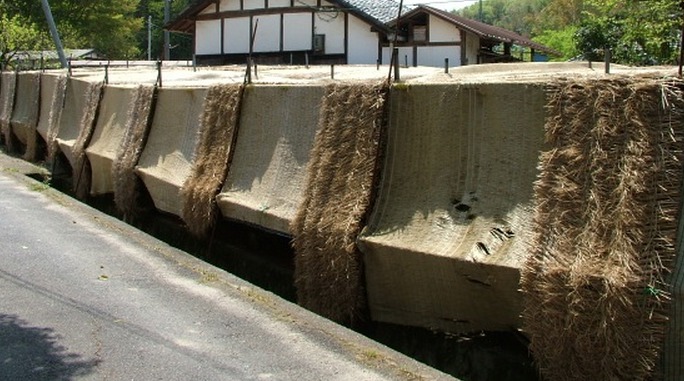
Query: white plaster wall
{"type": "Point", "coordinates": [305, 3]}
{"type": "Point", "coordinates": [209, 9]}
{"type": "Point", "coordinates": [442, 31]}
{"type": "Point", "coordinates": [254, 4]}
{"type": "Point", "coordinates": [208, 39]}
{"type": "Point", "coordinates": [297, 31]}
{"type": "Point", "coordinates": [268, 33]}
{"type": "Point", "coordinates": [363, 44]}
{"type": "Point", "coordinates": [404, 53]}
{"type": "Point", "coordinates": [435, 55]}
{"type": "Point", "coordinates": [230, 5]}
{"type": "Point", "coordinates": [333, 29]}
{"type": "Point", "coordinates": [278, 3]}
{"type": "Point", "coordinates": [472, 48]}
{"type": "Point", "coordinates": [237, 35]}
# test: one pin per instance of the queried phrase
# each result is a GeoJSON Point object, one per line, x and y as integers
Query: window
{"type": "Point", "coordinates": [319, 44]}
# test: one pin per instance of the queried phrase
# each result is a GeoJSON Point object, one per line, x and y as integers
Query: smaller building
{"type": "Point", "coordinates": [427, 36]}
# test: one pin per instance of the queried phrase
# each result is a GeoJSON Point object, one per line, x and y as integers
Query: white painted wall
{"type": "Point", "coordinates": [363, 44]}
{"type": "Point", "coordinates": [296, 31]}
{"type": "Point", "coordinates": [305, 3]}
{"type": "Point", "coordinates": [333, 29]}
{"type": "Point", "coordinates": [254, 4]}
{"type": "Point", "coordinates": [208, 39]}
{"type": "Point", "coordinates": [404, 53]}
{"type": "Point", "coordinates": [472, 48]}
{"type": "Point", "coordinates": [236, 37]}
{"type": "Point", "coordinates": [435, 55]}
{"type": "Point", "coordinates": [268, 33]}
{"type": "Point", "coordinates": [442, 31]}
{"type": "Point", "coordinates": [278, 3]}
{"type": "Point", "coordinates": [210, 9]}
{"type": "Point", "coordinates": [230, 5]}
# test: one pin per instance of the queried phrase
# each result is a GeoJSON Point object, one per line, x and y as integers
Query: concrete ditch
{"type": "Point", "coordinates": [446, 240]}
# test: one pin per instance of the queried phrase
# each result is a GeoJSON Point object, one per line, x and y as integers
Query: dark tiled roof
{"type": "Point", "coordinates": [381, 10]}
{"type": "Point", "coordinates": [484, 30]}
{"type": "Point", "coordinates": [375, 12]}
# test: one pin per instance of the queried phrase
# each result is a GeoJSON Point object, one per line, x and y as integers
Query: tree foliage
{"type": "Point", "coordinates": [636, 31]}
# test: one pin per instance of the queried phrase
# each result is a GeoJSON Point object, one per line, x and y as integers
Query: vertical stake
{"type": "Point", "coordinates": [395, 59]}
{"type": "Point", "coordinates": [159, 73]}
{"type": "Point", "coordinates": [446, 65]}
{"type": "Point", "coordinates": [332, 71]}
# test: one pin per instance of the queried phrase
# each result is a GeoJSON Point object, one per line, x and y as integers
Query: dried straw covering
{"type": "Point", "coordinates": [217, 131]}
{"type": "Point", "coordinates": [24, 124]}
{"type": "Point", "coordinates": [81, 169]}
{"type": "Point", "coordinates": [596, 299]}
{"type": "Point", "coordinates": [9, 84]}
{"type": "Point", "coordinates": [127, 184]}
{"type": "Point", "coordinates": [56, 107]}
{"type": "Point", "coordinates": [341, 176]}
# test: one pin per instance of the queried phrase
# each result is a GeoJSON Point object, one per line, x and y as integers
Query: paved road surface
{"type": "Point", "coordinates": [84, 296]}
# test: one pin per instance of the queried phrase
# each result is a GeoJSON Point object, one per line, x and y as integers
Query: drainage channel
{"type": "Point", "coordinates": [266, 259]}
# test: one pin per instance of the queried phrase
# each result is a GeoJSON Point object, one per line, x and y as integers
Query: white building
{"type": "Point", "coordinates": [339, 31]}
{"type": "Point", "coordinates": [287, 31]}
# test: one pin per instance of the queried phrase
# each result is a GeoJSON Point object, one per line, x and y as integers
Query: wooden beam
{"type": "Point", "coordinates": [346, 37]}
{"type": "Point", "coordinates": [251, 12]}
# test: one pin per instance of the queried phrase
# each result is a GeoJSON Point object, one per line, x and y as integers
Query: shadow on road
{"type": "Point", "coordinates": [33, 354]}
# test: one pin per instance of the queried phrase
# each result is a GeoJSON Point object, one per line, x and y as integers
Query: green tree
{"type": "Point", "coordinates": [16, 34]}
{"type": "Point", "coordinates": [637, 32]}
{"type": "Point", "coordinates": [108, 26]}
{"type": "Point", "coordinates": [562, 40]}
{"type": "Point", "coordinates": [181, 44]}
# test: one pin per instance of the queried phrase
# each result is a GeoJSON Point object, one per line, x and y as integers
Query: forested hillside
{"type": "Point", "coordinates": [639, 32]}
{"type": "Point", "coordinates": [116, 29]}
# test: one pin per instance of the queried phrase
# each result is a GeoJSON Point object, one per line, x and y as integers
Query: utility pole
{"type": "Point", "coordinates": [481, 17]}
{"type": "Point", "coordinates": [149, 38]}
{"type": "Point", "coordinates": [167, 18]}
{"type": "Point", "coordinates": [54, 33]}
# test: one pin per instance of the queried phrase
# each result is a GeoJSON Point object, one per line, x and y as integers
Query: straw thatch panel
{"type": "Point", "coordinates": [80, 164]}
{"type": "Point", "coordinates": [25, 115]}
{"type": "Point", "coordinates": [268, 171]}
{"type": "Point", "coordinates": [109, 131]}
{"type": "Point", "coordinates": [217, 131]}
{"type": "Point", "coordinates": [166, 160]}
{"type": "Point", "coordinates": [76, 121]}
{"type": "Point", "coordinates": [8, 85]}
{"type": "Point", "coordinates": [52, 93]}
{"type": "Point", "coordinates": [605, 228]}
{"type": "Point", "coordinates": [126, 184]}
{"type": "Point", "coordinates": [448, 233]}
{"type": "Point", "coordinates": [341, 176]}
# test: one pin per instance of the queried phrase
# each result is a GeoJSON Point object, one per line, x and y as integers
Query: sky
{"type": "Point", "coordinates": [443, 4]}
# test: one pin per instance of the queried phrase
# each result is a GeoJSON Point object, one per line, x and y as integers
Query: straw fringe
{"type": "Point", "coordinates": [341, 176]}
{"type": "Point", "coordinates": [55, 114]}
{"type": "Point", "coordinates": [608, 195]}
{"type": "Point", "coordinates": [217, 131]}
{"type": "Point", "coordinates": [127, 185]}
{"type": "Point", "coordinates": [81, 171]}
{"type": "Point", "coordinates": [7, 108]}
{"type": "Point", "coordinates": [30, 124]}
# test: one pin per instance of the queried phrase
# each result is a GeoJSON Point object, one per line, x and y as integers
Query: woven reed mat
{"type": "Point", "coordinates": [606, 226]}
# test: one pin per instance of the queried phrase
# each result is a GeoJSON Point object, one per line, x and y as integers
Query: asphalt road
{"type": "Point", "coordinates": [86, 297]}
